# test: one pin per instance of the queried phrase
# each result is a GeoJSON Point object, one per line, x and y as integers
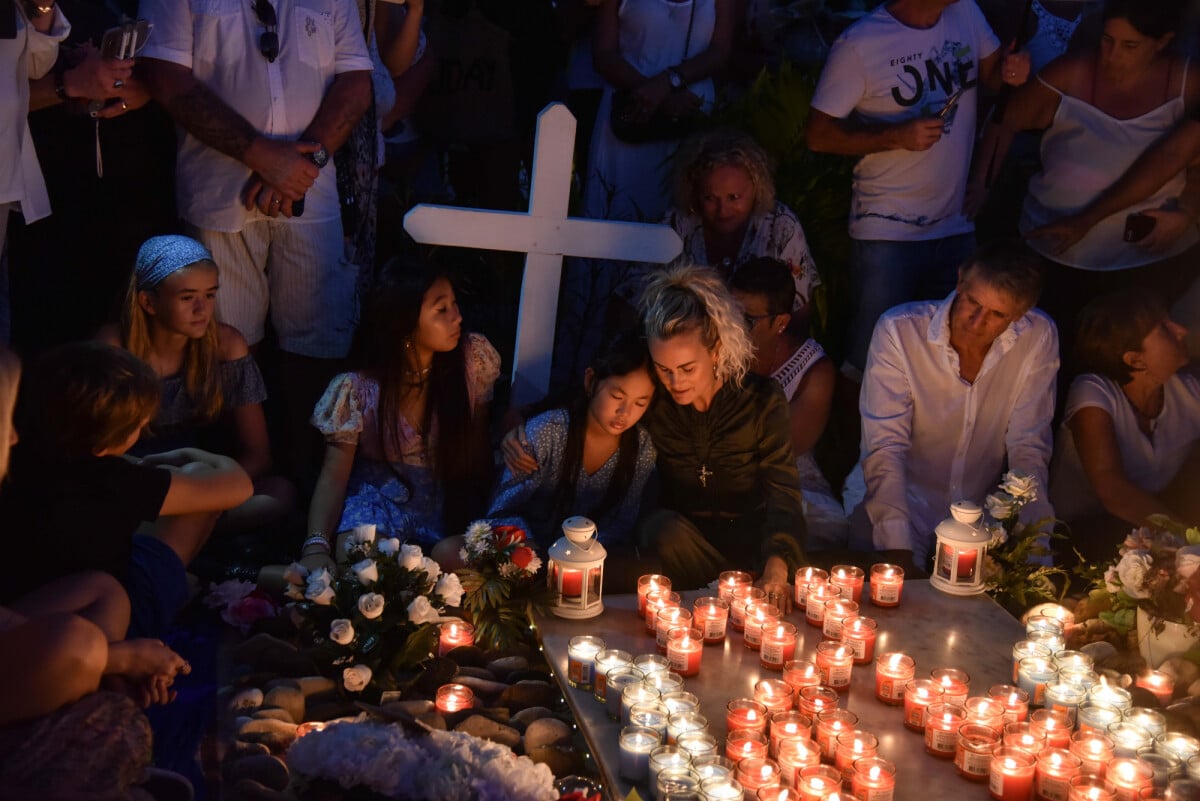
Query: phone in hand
{"type": "Point", "coordinates": [1138, 227]}
{"type": "Point", "coordinates": [951, 102]}
{"type": "Point", "coordinates": [125, 41]}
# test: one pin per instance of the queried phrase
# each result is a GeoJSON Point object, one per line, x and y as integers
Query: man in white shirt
{"type": "Point", "coordinates": [900, 89]}
{"type": "Point", "coordinates": [955, 392]}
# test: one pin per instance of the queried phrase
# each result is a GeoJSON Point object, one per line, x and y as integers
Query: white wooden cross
{"type": "Point", "coordinates": [546, 234]}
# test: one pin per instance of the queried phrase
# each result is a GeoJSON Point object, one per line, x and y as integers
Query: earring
{"type": "Point", "coordinates": [407, 343]}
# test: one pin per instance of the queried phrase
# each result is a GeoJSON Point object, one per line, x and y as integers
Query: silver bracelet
{"type": "Point", "coordinates": [316, 539]}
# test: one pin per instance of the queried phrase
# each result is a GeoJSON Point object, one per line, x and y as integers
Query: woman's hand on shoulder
{"type": "Point", "coordinates": [231, 343]}
{"type": "Point", "coordinates": [518, 456]}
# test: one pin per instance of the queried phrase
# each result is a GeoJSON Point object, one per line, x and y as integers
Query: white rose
{"type": "Point", "coordinates": [1000, 505]}
{"type": "Point", "coordinates": [1020, 484]}
{"type": "Point", "coordinates": [294, 592]}
{"type": "Point", "coordinates": [410, 557]}
{"type": "Point", "coordinates": [450, 588]}
{"type": "Point", "coordinates": [1112, 582]}
{"type": "Point", "coordinates": [421, 611]}
{"type": "Point", "coordinates": [1133, 569]}
{"type": "Point", "coordinates": [341, 631]}
{"type": "Point", "coordinates": [431, 568]}
{"type": "Point", "coordinates": [370, 604]}
{"type": "Point", "coordinates": [367, 572]}
{"type": "Point", "coordinates": [295, 573]}
{"type": "Point", "coordinates": [388, 546]}
{"type": "Point", "coordinates": [319, 589]}
{"type": "Point", "coordinates": [1187, 559]}
{"type": "Point", "coordinates": [356, 678]}
{"type": "Point", "coordinates": [364, 534]}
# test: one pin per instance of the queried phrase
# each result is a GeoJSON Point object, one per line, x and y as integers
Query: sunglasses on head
{"type": "Point", "coordinates": [752, 319]}
{"type": "Point", "coordinates": [268, 42]}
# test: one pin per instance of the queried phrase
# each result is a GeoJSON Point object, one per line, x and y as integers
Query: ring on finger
{"type": "Point", "coordinates": [118, 84]}
{"type": "Point", "coordinates": [275, 201]}
{"type": "Point", "coordinates": [124, 106]}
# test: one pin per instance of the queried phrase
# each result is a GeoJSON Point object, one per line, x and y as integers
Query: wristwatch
{"type": "Point", "coordinates": [676, 78]}
{"type": "Point", "coordinates": [320, 156]}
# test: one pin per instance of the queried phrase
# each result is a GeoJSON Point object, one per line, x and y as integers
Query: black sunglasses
{"type": "Point", "coordinates": [752, 319]}
{"type": "Point", "coordinates": [268, 42]}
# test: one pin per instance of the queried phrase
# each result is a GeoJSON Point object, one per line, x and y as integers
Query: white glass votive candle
{"type": "Point", "coordinates": [581, 660]}
{"type": "Point", "coordinates": [713, 765]}
{"type": "Point", "coordinates": [615, 682]}
{"type": "Point", "coordinates": [662, 758]}
{"type": "Point", "coordinates": [697, 743]}
{"type": "Point", "coordinates": [651, 663]}
{"type": "Point", "coordinates": [1025, 649]}
{"type": "Point", "coordinates": [636, 743]}
{"type": "Point", "coordinates": [1096, 717]}
{"type": "Point", "coordinates": [1111, 696]}
{"type": "Point", "coordinates": [677, 783]}
{"type": "Point", "coordinates": [605, 661]}
{"type": "Point", "coordinates": [1181, 745]}
{"type": "Point", "coordinates": [639, 693]}
{"type": "Point", "coordinates": [650, 715]}
{"type": "Point", "coordinates": [1065, 697]}
{"type": "Point", "coordinates": [722, 790]}
{"type": "Point", "coordinates": [683, 722]}
{"type": "Point", "coordinates": [1033, 674]}
{"type": "Point", "coordinates": [681, 701]}
{"type": "Point", "coordinates": [1153, 721]}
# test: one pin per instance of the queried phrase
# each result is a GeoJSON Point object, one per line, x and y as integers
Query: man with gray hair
{"type": "Point", "coordinates": [955, 392]}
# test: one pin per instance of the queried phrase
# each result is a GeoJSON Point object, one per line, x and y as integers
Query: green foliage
{"type": "Point", "coordinates": [1021, 578]}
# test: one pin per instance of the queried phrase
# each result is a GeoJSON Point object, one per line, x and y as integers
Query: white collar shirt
{"type": "Point", "coordinates": [219, 41]}
{"type": "Point", "coordinates": [930, 437]}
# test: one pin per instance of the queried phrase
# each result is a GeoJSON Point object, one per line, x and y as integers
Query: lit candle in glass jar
{"type": "Point", "coordinates": [1054, 725]}
{"type": "Point", "coordinates": [859, 633]}
{"type": "Point", "coordinates": [454, 698]}
{"type": "Point", "coordinates": [1096, 717]}
{"type": "Point", "coordinates": [711, 616]}
{"type": "Point", "coordinates": [1024, 649]}
{"type": "Point", "coordinates": [835, 661]}
{"type": "Point", "coordinates": [817, 782]}
{"type": "Point", "coordinates": [1022, 735]}
{"type": "Point", "coordinates": [1073, 660]}
{"type": "Point", "coordinates": [605, 661]}
{"type": "Point", "coordinates": [651, 582]}
{"type": "Point", "coordinates": [851, 746]}
{"type": "Point", "coordinates": [1033, 674]}
{"type": "Point", "coordinates": [780, 793]}
{"type": "Point", "coordinates": [1129, 776]}
{"type": "Point", "coordinates": [670, 617]}
{"type": "Point", "coordinates": [789, 723]}
{"type": "Point", "coordinates": [973, 751]}
{"type": "Point", "coordinates": [722, 790]}
{"type": "Point", "coordinates": [684, 649]}
{"type": "Point", "coordinates": [778, 646]}
{"type": "Point", "coordinates": [1011, 775]}
{"type": "Point", "coordinates": [581, 660]}
{"type": "Point", "coordinates": [848, 580]}
{"type": "Point", "coordinates": [1109, 695]}
{"type": "Point", "coordinates": [817, 699]}
{"type": "Point", "coordinates": [665, 757]}
{"type": "Point", "coordinates": [738, 601]}
{"type": "Point", "coordinates": [1094, 750]}
{"type": "Point", "coordinates": [800, 673]}
{"type": "Point", "coordinates": [1055, 769]}
{"type": "Point", "coordinates": [806, 576]}
{"type": "Point", "coordinates": [758, 614]}
{"type": "Point", "coordinates": [665, 681]}
{"type": "Point", "coordinates": [615, 682]}
{"type": "Point", "coordinates": [650, 715]}
{"type": "Point", "coordinates": [1089, 788]}
{"type": "Point", "coordinates": [828, 725]}
{"type": "Point", "coordinates": [636, 743]}
{"type": "Point", "coordinates": [453, 634]}
{"type": "Point", "coordinates": [774, 694]}
{"type": "Point", "coordinates": [657, 600]}
{"type": "Point", "coordinates": [893, 672]}
{"type": "Point", "coordinates": [918, 695]}
{"type": "Point", "coordinates": [683, 722]}
{"type": "Point", "coordinates": [873, 779]}
{"type": "Point", "coordinates": [1151, 720]}
{"type": "Point", "coordinates": [942, 721]}
{"type": "Point", "coordinates": [794, 754]}
{"type": "Point", "coordinates": [713, 765]}
{"type": "Point", "coordinates": [697, 743]}
{"type": "Point", "coordinates": [1015, 700]}
{"type": "Point", "coordinates": [730, 580]}
{"type": "Point", "coordinates": [956, 684]}
{"type": "Point", "coordinates": [1065, 697]}
{"type": "Point", "coordinates": [745, 743]}
{"type": "Point", "coordinates": [636, 694]}
{"type": "Point", "coordinates": [1160, 684]}
{"type": "Point", "coordinates": [887, 584]}
{"type": "Point", "coordinates": [757, 773]}
{"type": "Point", "coordinates": [1181, 745]}
{"type": "Point", "coordinates": [814, 608]}
{"type": "Point", "coordinates": [651, 663]}
{"type": "Point", "coordinates": [985, 712]}
{"type": "Point", "coordinates": [836, 611]}
{"type": "Point", "coordinates": [745, 713]}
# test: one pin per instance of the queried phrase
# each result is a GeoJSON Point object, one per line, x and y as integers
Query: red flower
{"type": "Point", "coordinates": [508, 535]}
{"type": "Point", "coordinates": [522, 556]}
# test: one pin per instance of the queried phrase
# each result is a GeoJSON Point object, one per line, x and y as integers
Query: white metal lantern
{"type": "Point", "coordinates": [961, 546]}
{"type": "Point", "coordinates": [576, 570]}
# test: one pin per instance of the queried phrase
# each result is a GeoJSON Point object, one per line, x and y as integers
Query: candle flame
{"type": "Point", "coordinates": [874, 772]}
{"type": "Point", "coordinates": [1010, 763]}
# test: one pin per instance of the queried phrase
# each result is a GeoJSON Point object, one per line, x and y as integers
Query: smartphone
{"type": "Point", "coordinates": [125, 41]}
{"type": "Point", "coordinates": [1138, 227]}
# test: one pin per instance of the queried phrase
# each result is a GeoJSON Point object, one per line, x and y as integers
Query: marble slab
{"type": "Point", "coordinates": [973, 634]}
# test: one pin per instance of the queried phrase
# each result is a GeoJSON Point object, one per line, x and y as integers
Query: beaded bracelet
{"type": "Point", "coordinates": [316, 539]}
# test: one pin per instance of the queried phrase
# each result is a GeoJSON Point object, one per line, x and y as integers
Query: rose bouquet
{"type": "Point", "coordinates": [240, 603]}
{"type": "Point", "coordinates": [501, 584]}
{"type": "Point", "coordinates": [376, 614]}
{"type": "Point", "coordinates": [1019, 565]}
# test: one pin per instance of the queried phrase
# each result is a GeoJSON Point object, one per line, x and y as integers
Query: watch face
{"type": "Point", "coordinates": [320, 157]}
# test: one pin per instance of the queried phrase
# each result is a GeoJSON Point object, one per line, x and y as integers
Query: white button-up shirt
{"type": "Point", "coordinates": [930, 437]}
{"type": "Point", "coordinates": [30, 55]}
{"type": "Point", "coordinates": [218, 41]}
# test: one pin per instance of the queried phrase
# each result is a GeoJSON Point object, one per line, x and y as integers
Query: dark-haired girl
{"type": "Point", "coordinates": [593, 458]}
{"type": "Point", "coordinates": [405, 434]}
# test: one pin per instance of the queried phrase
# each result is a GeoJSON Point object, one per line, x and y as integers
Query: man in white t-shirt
{"type": "Point", "coordinates": [885, 95]}
{"type": "Point", "coordinates": [955, 392]}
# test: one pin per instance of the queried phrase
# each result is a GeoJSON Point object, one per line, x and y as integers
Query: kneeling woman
{"type": "Point", "coordinates": [730, 494]}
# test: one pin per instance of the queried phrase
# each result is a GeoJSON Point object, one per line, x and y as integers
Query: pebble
{"type": "Point", "coordinates": [268, 771]}
{"type": "Point", "coordinates": [546, 731]}
{"type": "Point", "coordinates": [468, 655]}
{"type": "Point", "coordinates": [247, 699]}
{"type": "Point", "coordinates": [243, 749]}
{"type": "Point", "coordinates": [437, 672]}
{"type": "Point", "coordinates": [525, 694]}
{"type": "Point", "coordinates": [274, 734]}
{"type": "Point", "coordinates": [528, 674]}
{"type": "Point", "coordinates": [475, 672]}
{"type": "Point", "coordinates": [530, 714]}
{"type": "Point", "coordinates": [271, 713]}
{"type": "Point", "coordinates": [410, 708]}
{"type": "Point", "coordinates": [288, 699]}
{"type": "Point", "coordinates": [507, 665]}
{"type": "Point", "coordinates": [315, 685]}
{"type": "Point", "coordinates": [482, 687]}
{"type": "Point", "coordinates": [250, 790]}
{"type": "Point", "coordinates": [433, 720]}
{"type": "Point", "coordinates": [561, 761]}
{"type": "Point", "coordinates": [479, 726]}
{"type": "Point", "coordinates": [328, 710]}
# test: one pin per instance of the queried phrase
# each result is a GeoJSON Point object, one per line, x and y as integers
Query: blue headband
{"type": "Point", "coordinates": [160, 256]}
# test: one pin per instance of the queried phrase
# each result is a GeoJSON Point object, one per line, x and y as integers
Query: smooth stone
{"type": "Point", "coordinates": [274, 734]}
{"type": "Point", "coordinates": [468, 655]}
{"type": "Point", "coordinates": [250, 790]}
{"type": "Point", "coordinates": [328, 710]}
{"type": "Point", "coordinates": [247, 699]}
{"type": "Point", "coordinates": [561, 761]}
{"type": "Point", "coordinates": [482, 687]}
{"type": "Point", "coordinates": [438, 671]}
{"type": "Point", "coordinates": [433, 720]}
{"type": "Point", "coordinates": [475, 672]}
{"type": "Point", "coordinates": [292, 683]}
{"type": "Point", "coordinates": [487, 729]}
{"type": "Point", "coordinates": [412, 708]}
{"type": "Point", "coordinates": [243, 749]}
{"type": "Point", "coordinates": [249, 651]}
{"type": "Point", "coordinates": [529, 715]}
{"type": "Point", "coordinates": [546, 731]}
{"type": "Point", "coordinates": [1099, 651]}
{"type": "Point", "coordinates": [525, 694]}
{"type": "Point", "coordinates": [273, 713]}
{"type": "Point", "coordinates": [268, 771]}
{"type": "Point", "coordinates": [506, 665]}
{"type": "Point", "coordinates": [289, 699]}
{"type": "Point", "coordinates": [528, 674]}
{"type": "Point", "coordinates": [497, 713]}
{"type": "Point", "coordinates": [315, 685]}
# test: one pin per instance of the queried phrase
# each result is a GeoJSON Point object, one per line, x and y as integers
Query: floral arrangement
{"type": "Point", "coordinates": [376, 614]}
{"type": "Point", "coordinates": [501, 584]}
{"type": "Point", "coordinates": [1019, 564]}
{"type": "Point", "coordinates": [433, 766]}
{"type": "Point", "coordinates": [240, 603]}
{"type": "Point", "coordinates": [1156, 571]}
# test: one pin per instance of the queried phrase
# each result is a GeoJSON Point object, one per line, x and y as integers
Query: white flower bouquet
{"type": "Point", "coordinates": [1019, 565]}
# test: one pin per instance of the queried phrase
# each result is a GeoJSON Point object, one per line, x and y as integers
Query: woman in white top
{"type": "Point", "coordinates": [1132, 422]}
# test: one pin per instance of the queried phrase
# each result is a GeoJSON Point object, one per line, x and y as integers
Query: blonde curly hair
{"type": "Point", "coordinates": [694, 298]}
{"type": "Point", "coordinates": [701, 154]}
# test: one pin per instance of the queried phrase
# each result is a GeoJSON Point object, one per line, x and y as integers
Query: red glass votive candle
{"type": "Point", "coordinates": [1089, 788]}
{"type": "Point", "coordinates": [1052, 777]}
{"type": "Point", "coordinates": [670, 617]}
{"type": "Point", "coordinates": [780, 793]}
{"type": "Point", "coordinates": [711, 616]}
{"type": "Point", "coordinates": [836, 611]}
{"type": "Point", "coordinates": [745, 744]}
{"type": "Point", "coordinates": [454, 698]}
{"type": "Point", "coordinates": [774, 694]}
{"type": "Point", "coordinates": [956, 684]}
{"type": "Point", "coordinates": [1094, 750]}
{"type": "Point", "coordinates": [1011, 774]}
{"type": "Point", "coordinates": [794, 754]}
{"type": "Point", "coordinates": [1022, 735]}
{"type": "Point", "coordinates": [800, 673]}
{"type": "Point", "coordinates": [684, 648]}
{"type": "Point", "coordinates": [789, 723]}
{"type": "Point", "coordinates": [859, 633]}
{"type": "Point", "coordinates": [739, 600]}
{"type": "Point", "coordinates": [942, 721]}
{"type": "Point", "coordinates": [657, 600]}
{"type": "Point", "coordinates": [985, 712]}
{"type": "Point", "coordinates": [849, 581]}
{"type": "Point", "coordinates": [757, 773]}
{"type": "Point", "coordinates": [814, 608]}
{"type": "Point", "coordinates": [1162, 685]}
{"type": "Point", "coordinates": [1015, 700]}
{"type": "Point", "coordinates": [778, 645]}
{"type": "Point", "coordinates": [851, 746]}
{"type": "Point", "coordinates": [835, 661]}
{"type": "Point", "coordinates": [806, 576]}
{"type": "Point", "coordinates": [817, 699]}
{"type": "Point", "coordinates": [453, 634]}
{"type": "Point", "coordinates": [745, 713]}
{"type": "Point", "coordinates": [816, 783]}
{"type": "Point", "coordinates": [973, 751]}
{"type": "Point", "coordinates": [887, 584]}
{"type": "Point", "coordinates": [918, 695]}
{"type": "Point", "coordinates": [1054, 725]}
{"type": "Point", "coordinates": [758, 614]}
{"type": "Point", "coordinates": [1128, 777]}
{"type": "Point", "coordinates": [893, 672]}
{"type": "Point", "coordinates": [828, 725]}
{"type": "Point", "coordinates": [873, 779]}
{"type": "Point", "coordinates": [730, 580]}
{"type": "Point", "coordinates": [651, 582]}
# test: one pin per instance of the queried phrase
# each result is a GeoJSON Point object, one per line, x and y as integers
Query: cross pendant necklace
{"type": "Point", "coordinates": [704, 473]}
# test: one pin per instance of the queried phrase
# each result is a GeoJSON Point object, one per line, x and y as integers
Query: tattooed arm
{"type": "Point", "coordinates": [346, 100]}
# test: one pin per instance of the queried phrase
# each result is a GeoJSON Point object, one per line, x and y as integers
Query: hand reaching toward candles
{"type": "Point", "coordinates": [774, 582]}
